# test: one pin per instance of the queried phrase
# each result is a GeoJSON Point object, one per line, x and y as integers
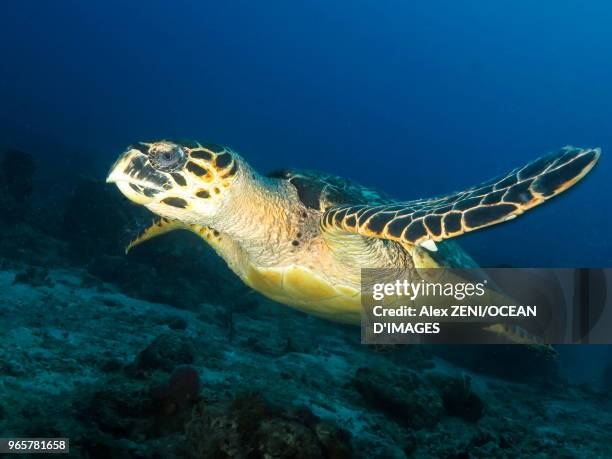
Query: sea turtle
{"type": "Point", "coordinates": [300, 237]}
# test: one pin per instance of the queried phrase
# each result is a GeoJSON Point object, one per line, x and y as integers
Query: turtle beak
{"type": "Point", "coordinates": [136, 178]}
{"type": "Point", "coordinates": [117, 170]}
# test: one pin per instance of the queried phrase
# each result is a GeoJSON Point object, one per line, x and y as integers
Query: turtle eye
{"type": "Point", "coordinates": [167, 159]}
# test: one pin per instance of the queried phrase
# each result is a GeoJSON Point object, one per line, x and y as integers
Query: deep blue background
{"type": "Point", "coordinates": [415, 98]}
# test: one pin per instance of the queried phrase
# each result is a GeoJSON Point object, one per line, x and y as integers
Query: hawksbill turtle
{"type": "Point", "coordinates": [301, 237]}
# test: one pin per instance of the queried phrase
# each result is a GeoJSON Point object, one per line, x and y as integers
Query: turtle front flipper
{"type": "Point", "coordinates": [424, 222]}
{"type": "Point", "coordinates": [157, 228]}
{"type": "Point", "coordinates": [164, 225]}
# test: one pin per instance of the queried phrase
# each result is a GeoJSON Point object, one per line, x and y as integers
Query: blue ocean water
{"type": "Point", "coordinates": [416, 99]}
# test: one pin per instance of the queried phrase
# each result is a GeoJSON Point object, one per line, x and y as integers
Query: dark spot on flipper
{"type": "Point", "coordinates": [443, 210]}
{"type": "Point", "coordinates": [195, 169]}
{"type": "Point", "coordinates": [329, 218]}
{"type": "Point", "coordinates": [494, 197]}
{"type": "Point", "coordinates": [179, 179]}
{"type": "Point", "coordinates": [566, 156]}
{"type": "Point", "coordinates": [519, 193]}
{"type": "Point", "coordinates": [298, 235]}
{"type": "Point", "coordinates": [365, 213]}
{"type": "Point", "coordinates": [223, 160]}
{"type": "Point", "coordinates": [534, 168]}
{"type": "Point", "coordinates": [510, 180]}
{"type": "Point", "coordinates": [482, 216]}
{"type": "Point", "coordinates": [295, 243]}
{"type": "Point", "coordinates": [550, 182]}
{"type": "Point", "coordinates": [232, 171]}
{"type": "Point", "coordinates": [136, 188]}
{"type": "Point", "coordinates": [397, 226]}
{"type": "Point", "coordinates": [434, 224]}
{"type": "Point", "coordinates": [216, 233]}
{"type": "Point", "coordinates": [452, 223]}
{"type": "Point", "coordinates": [378, 222]}
{"type": "Point", "coordinates": [466, 204]}
{"type": "Point", "coordinates": [338, 216]}
{"type": "Point", "coordinates": [415, 231]}
{"type": "Point", "coordinates": [175, 202]}
{"type": "Point", "coordinates": [203, 194]}
{"type": "Point", "coordinates": [201, 154]}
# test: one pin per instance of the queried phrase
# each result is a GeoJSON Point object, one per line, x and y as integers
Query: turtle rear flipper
{"type": "Point", "coordinates": [421, 222]}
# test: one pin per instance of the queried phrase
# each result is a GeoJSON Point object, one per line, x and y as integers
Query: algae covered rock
{"type": "Point", "coordinates": [249, 427]}
{"type": "Point", "coordinates": [181, 389]}
{"type": "Point", "coordinates": [166, 352]}
{"type": "Point", "coordinates": [460, 400]}
{"type": "Point", "coordinates": [402, 395]}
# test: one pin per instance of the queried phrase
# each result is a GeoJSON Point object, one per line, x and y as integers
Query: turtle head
{"type": "Point", "coordinates": [183, 181]}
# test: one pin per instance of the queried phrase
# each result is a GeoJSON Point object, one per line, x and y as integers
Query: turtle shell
{"type": "Point", "coordinates": [320, 191]}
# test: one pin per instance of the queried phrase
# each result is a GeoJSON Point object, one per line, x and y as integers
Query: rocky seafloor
{"type": "Point", "coordinates": [164, 354]}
